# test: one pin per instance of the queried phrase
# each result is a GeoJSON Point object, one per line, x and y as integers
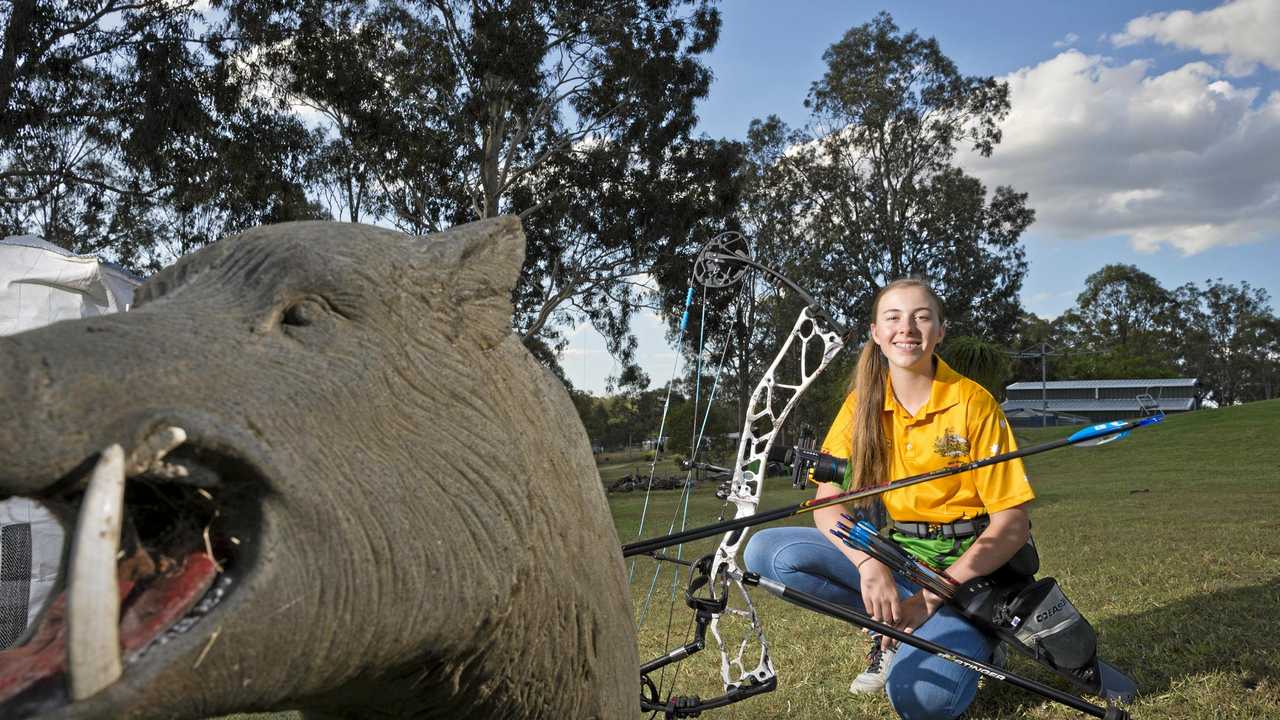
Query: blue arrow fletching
{"type": "Point", "coordinates": [845, 539]}
{"type": "Point", "coordinates": [1151, 420]}
{"type": "Point", "coordinates": [860, 533]}
{"type": "Point", "coordinates": [1095, 430]}
{"type": "Point", "coordinates": [1095, 435]}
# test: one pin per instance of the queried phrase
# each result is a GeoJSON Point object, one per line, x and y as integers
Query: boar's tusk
{"type": "Point", "coordinates": [148, 456]}
{"type": "Point", "coordinates": [93, 617]}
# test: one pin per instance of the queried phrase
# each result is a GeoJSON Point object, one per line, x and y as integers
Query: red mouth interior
{"type": "Point", "coordinates": [158, 602]}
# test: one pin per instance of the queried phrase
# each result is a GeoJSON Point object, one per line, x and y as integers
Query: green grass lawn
{"type": "Point", "coordinates": [1168, 541]}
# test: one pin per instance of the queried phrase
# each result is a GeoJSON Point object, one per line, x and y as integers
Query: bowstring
{"type": "Point", "coordinates": [699, 436]}
{"type": "Point", "coordinates": [683, 501]}
{"type": "Point", "coordinates": [682, 506]}
{"type": "Point", "coordinates": [666, 406]}
{"type": "Point", "coordinates": [698, 433]}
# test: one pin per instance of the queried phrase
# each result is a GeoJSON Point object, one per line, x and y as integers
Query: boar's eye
{"type": "Point", "coordinates": [302, 314]}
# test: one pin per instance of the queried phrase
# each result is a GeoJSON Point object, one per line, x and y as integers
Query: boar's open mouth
{"type": "Point", "coordinates": [160, 541]}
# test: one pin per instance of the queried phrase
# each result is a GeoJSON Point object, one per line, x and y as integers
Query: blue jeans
{"type": "Point", "coordinates": [920, 686]}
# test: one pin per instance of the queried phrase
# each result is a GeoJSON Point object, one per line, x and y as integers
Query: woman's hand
{"type": "Point", "coordinates": [879, 591]}
{"type": "Point", "coordinates": [917, 609]}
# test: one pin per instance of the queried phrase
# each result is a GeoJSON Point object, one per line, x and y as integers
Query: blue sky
{"type": "Point", "coordinates": [1145, 132]}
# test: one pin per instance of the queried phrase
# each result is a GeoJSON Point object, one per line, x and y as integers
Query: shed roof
{"type": "Point", "coordinates": [1091, 384]}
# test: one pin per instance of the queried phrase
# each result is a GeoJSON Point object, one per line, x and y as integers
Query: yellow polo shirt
{"type": "Point", "coordinates": [960, 423]}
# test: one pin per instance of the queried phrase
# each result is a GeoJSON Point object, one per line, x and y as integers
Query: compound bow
{"type": "Point", "coordinates": [815, 339]}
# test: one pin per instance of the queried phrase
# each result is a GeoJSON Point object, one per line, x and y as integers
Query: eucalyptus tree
{"type": "Point", "coordinates": [76, 79]}
{"type": "Point", "coordinates": [575, 115]}
{"type": "Point", "coordinates": [1122, 305]}
{"type": "Point", "coordinates": [1123, 323]}
{"type": "Point", "coordinates": [869, 190]}
{"type": "Point", "coordinates": [1228, 337]}
{"type": "Point", "coordinates": [122, 133]}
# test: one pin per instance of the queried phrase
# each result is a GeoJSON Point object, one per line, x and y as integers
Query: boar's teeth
{"type": "Point", "coordinates": [167, 471]}
{"type": "Point", "coordinates": [93, 649]}
{"type": "Point", "coordinates": [148, 456]}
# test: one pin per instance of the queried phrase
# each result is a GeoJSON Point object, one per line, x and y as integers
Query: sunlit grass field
{"type": "Point", "coordinates": [1168, 541]}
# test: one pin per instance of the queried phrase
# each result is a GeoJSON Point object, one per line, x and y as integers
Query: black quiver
{"type": "Point", "coordinates": [1034, 617]}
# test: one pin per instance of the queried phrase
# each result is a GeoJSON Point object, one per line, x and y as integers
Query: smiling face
{"type": "Point", "coordinates": [908, 327]}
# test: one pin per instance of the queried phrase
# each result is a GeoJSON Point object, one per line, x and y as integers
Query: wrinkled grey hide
{"type": "Point", "coordinates": [425, 533]}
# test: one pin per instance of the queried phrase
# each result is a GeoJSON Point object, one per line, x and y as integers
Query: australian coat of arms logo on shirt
{"type": "Point", "coordinates": [951, 446]}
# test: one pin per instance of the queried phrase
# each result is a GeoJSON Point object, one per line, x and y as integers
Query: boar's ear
{"type": "Point", "coordinates": [478, 263]}
{"type": "Point", "coordinates": [182, 271]}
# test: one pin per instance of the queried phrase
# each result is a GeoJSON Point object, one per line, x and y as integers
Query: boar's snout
{"type": "Point", "coordinates": [57, 410]}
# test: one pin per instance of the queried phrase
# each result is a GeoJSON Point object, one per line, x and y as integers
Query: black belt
{"type": "Point", "coordinates": [949, 531]}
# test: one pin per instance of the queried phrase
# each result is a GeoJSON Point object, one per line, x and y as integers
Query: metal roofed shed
{"type": "Point", "coordinates": [1092, 384]}
{"type": "Point", "coordinates": [1061, 402]}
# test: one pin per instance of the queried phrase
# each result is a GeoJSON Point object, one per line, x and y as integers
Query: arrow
{"type": "Point", "coordinates": [862, 535]}
{"type": "Point", "coordinates": [1091, 436]}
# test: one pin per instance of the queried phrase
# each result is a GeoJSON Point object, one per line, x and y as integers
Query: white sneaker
{"type": "Point", "coordinates": [872, 679]}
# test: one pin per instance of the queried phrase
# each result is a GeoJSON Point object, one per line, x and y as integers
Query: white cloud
{"type": "Point", "coordinates": [1243, 30]}
{"type": "Point", "coordinates": [1184, 158]}
{"type": "Point", "coordinates": [1067, 41]}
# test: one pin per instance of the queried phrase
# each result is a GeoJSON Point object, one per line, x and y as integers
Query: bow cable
{"type": "Point", "coordinates": [682, 506]}
{"type": "Point", "coordinates": [666, 406]}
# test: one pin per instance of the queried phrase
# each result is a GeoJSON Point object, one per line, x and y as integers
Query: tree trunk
{"type": "Point", "coordinates": [490, 164]}
{"type": "Point", "coordinates": [16, 35]}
